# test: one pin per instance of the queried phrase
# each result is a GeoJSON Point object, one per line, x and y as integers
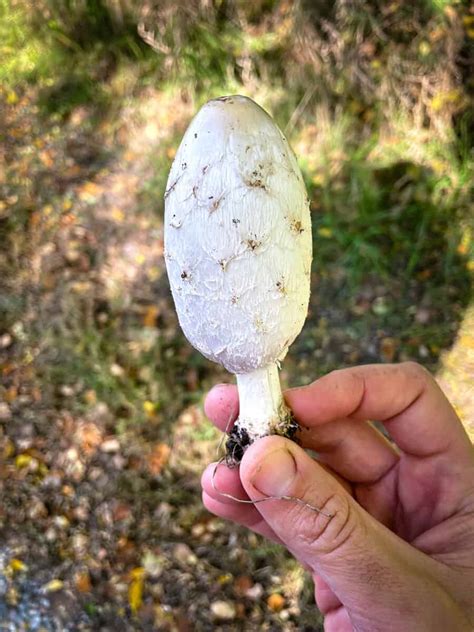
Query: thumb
{"type": "Point", "coordinates": [356, 556]}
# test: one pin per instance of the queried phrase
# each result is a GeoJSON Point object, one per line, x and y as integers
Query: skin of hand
{"type": "Point", "coordinates": [397, 552]}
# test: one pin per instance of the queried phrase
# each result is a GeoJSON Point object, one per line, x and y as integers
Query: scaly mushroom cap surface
{"type": "Point", "coordinates": [238, 236]}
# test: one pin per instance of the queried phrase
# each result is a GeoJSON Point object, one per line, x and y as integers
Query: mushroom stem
{"type": "Point", "coordinates": [262, 408]}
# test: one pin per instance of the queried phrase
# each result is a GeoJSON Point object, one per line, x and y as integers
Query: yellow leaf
{"type": "Point", "coordinates": [470, 33]}
{"type": "Point", "coordinates": [318, 180]}
{"type": "Point", "coordinates": [325, 232]}
{"type": "Point", "coordinates": [12, 97]}
{"type": "Point", "coordinates": [135, 590]}
{"type": "Point", "coordinates": [53, 586]}
{"type": "Point", "coordinates": [468, 20]}
{"type": "Point", "coordinates": [89, 191]}
{"type": "Point", "coordinates": [23, 460]}
{"type": "Point", "coordinates": [17, 565]}
{"type": "Point", "coordinates": [149, 408]}
{"type": "Point", "coordinates": [137, 573]}
{"type": "Point", "coordinates": [443, 98]}
{"type": "Point", "coordinates": [424, 49]}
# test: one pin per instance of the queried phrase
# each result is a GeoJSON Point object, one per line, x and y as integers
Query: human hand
{"type": "Point", "coordinates": [397, 552]}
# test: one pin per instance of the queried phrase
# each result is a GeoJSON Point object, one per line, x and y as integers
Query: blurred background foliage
{"type": "Point", "coordinates": [376, 98]}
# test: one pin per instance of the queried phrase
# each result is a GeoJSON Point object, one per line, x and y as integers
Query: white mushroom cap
{"type": "Point", "coordinates": [238, 236]}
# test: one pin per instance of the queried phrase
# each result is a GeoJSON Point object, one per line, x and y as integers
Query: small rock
{"type": "Point", "coordinates": [66, 390]}
{"type": "Point", "coordinates": [100, 413]}
{"type": "Point", "coordinates": [110, 445]}
{"type": "Point", "coordinates": [423, 351]}
{"type": "Point", "coordinates": [198, 530]}
{"type": "Point", "coordinates": [285, 615]}
{"type": "Point", "coordinates": [80, 513]}
{"type": "Point", "coordinates": [183, 554]}
{"type": "Point", "coordinates": [5, 341]}
{"type": "Point", "coordinates": [50, 535]}
{"type": "Point", "coordinates": [422, 315]}
{"type": "Point", "coordinates": [37, 509]}
{"type": "Point", "coordinates": [61, 522]}
{"type": "Point", "coordinates": [5, 412]}
{"type": "Point", "coordinates": [223, 610]}
{"type": "Point", "coordinates": [52, 481]}
{"type": "Point", "coordinates": [118, 462]}
{"type": "Point", "coordinates": [153, 564]}
{"type": "Point", "coordinates": [116, 370]}
{"type": "Point", "coordinates": [79, 544]}
{"type": "Point", "coordinates": [255, 592]}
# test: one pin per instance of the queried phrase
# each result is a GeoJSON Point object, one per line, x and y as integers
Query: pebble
{"type": "Point", "coordinates": [223, 610]}
{"type": "Point", "coordinates": [5, 412]}
{"type": "Point", "coordinates": [255, 592]}
{"type": "Point", "coordinates": [110, 445]}
{"type": "Point", "coordinates": [37, 509]}
{"type": "Point", "coordinates": [198, 530]}
{"type": "Point", "coordinates": [79, 544]}
{"type": "Point", "coordinates": [183, 554]}
{"type": "Point", "coordinates": [5, 341]}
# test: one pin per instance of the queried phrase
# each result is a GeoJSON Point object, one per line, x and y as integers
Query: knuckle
{"type": "Point", "coordinates": [415, 369]}
{"type": "Point", "coordinates": [324, 534]}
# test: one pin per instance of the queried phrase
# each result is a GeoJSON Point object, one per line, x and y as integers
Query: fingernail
{"type": "Point", "coordinates": [275, 473]}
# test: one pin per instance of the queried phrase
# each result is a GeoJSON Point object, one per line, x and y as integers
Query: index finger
{"type": "Point", "coordinates": [404, 397]}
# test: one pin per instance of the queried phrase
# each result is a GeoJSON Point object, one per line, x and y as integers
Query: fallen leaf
{"type": "Point", "coordinates": [23, 460]}
{"type": "Point", "coordinates": [46, 158]}
{"type": "Point", "coordinates": [53, 586]}
{"type": "Point", "coordinates": [224, 579]}
{"type": "Point", "coordinates": [82, 582]}
{"type": "Point", "coordinates": [275, 602]}
{"type": "Point", "coordinates": [89, 191]}
{"type": "Point", "coordinates": [12, 97]}
{"type": "Point", "coordinates": [325, 232]}
{"type": "Point", "coordinates": [88, 436]}
{"type": "Point", "coordinates": [11, 393]}
{"type": "Point", "coordinates": [17, 565]}
{"type": "Point", "coordinates": [158, 458]}
{"type": "Point", "coordinates": [150, 315]}
{"type": "Point", "coordinates": [388, 348]}
{"type": "Point", "coordinates": [242, 584]}
{"type": "Point", "coordinates": [135, 590]}
{"type": "Point", "coordinates": [149, 408]}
